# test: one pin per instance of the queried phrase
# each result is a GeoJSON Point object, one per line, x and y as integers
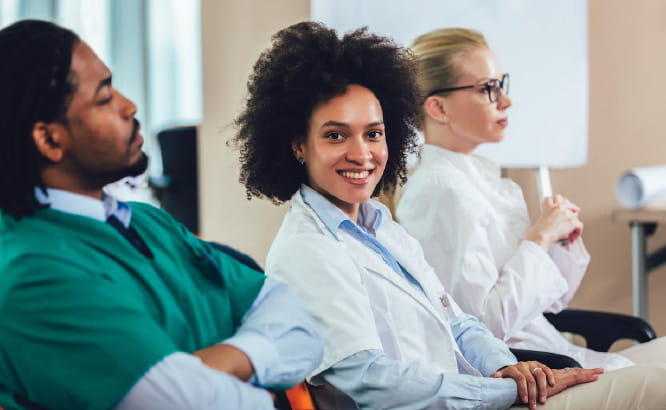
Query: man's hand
{"type": "Point", "coordinates": [227, 359]}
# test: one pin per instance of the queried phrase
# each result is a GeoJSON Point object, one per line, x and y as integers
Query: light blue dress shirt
{"type": "Point", "coordinates": [276, 333]}
{"type": "Point", "coordinates": [374, 380]}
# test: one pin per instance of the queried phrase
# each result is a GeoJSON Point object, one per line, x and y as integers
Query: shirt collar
{"type": "Point", "coordinates": [369, 215]}
{"type": "Point", "coordinates": [71, 203]}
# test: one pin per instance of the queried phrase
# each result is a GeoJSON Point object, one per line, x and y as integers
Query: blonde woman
{"type": "Point", "coordinates": [473, 224]}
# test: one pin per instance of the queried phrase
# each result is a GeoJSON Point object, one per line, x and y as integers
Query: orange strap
{"type": "Point", "coordinates": [299, 397]}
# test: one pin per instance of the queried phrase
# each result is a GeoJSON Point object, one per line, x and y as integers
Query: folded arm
{"type": "Point", "coordinates": [276, 345]}
{"type": "Point", "coordinates": [278, 336]}
{"type": "Point", "coordinates": [182, 381]}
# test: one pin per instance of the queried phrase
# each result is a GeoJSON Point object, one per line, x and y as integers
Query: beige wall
{"type": "Point", "coordinates": [234, 33]}
{"type": "Point", "coordinates": [627, 49]}
{"type": "Point", "coordinates": [627, 43]}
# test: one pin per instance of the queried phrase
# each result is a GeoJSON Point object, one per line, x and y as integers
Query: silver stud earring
{"type": "Point", "coordinates": [300, 160]}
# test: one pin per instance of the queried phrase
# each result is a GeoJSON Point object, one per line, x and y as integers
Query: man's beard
{"type": "Point", "coordinates": [139, 167]}
{"type": "Point", "coordinates": [136, 169]}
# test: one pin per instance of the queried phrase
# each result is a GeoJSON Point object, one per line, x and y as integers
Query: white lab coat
{"type": "Point", "coordinates": [359, 302]}
{"type": "Point", "coordinates": [472, 224]}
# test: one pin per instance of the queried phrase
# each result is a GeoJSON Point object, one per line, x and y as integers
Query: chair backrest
{"type": "Point", "coordinates": [241, 257]}
{"type": "Point", "coordinates": [180, 196]}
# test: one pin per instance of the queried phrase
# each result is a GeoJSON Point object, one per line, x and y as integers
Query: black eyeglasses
{"type": "Point", "coordinates": [492, 87]}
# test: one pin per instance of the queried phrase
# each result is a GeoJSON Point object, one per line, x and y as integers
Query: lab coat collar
{"type": "Point", "coordinates": [470, 164]}
{"type": "Point", "coordinates": [374, 263]}
{"type": "Point", "coordinates": [369, 216]}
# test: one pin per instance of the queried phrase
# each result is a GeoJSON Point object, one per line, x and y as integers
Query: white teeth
{"type": "Point", "coordinates": [355, 175]}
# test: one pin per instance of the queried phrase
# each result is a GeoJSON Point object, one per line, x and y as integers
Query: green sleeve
{"type": "Point", "coordinates": [70, 339]}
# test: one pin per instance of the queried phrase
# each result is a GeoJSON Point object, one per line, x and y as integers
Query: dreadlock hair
{"type": "Point", "coordinates": [309, 64]}
{"type": "Point", "coordinates": [35, 85]}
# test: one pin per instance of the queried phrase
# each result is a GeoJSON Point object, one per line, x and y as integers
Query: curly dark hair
{"type": "Point", "coordinates": [309, 64]}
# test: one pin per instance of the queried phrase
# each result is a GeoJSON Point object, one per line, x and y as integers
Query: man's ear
{"type": "Point", "coordinates": [49, 139]}
{"type": "Point", "coordinates": [435, 108]}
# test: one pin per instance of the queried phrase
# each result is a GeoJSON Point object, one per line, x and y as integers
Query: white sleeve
{"type": "Point", "coordinates": [182, 381]}
{"type": "Point", "coordinates": [324, 275]}
{"type": "Point", "coordinates": [572, 264]}
{"type": "Point", "coordinates": [454, 233]}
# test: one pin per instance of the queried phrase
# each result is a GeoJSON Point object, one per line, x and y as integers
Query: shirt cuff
{"type": "Point", "coordinates": [261, 351]}
{"type": "Point", "coordinates": [498, 393]}
{"type": "Point", "coordinates": [497, 361]}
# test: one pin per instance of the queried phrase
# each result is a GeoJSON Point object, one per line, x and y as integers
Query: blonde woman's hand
{"type": "Point", "coordinates": [558, 221]}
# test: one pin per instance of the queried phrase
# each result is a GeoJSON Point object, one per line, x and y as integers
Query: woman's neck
{"type": "Point", "coordinates": [436, 135]}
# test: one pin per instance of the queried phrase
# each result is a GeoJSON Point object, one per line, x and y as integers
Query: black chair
{"type": "Point", "coordinates": [599, 329]}
{"type": "Point", "coordinates": [602, 329]}
{"type": "Point", "coordinates": [177, 187]}
{"type": "Point", "coordinates": [241, 257]}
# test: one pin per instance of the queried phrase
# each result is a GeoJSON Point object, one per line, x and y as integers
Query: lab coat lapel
{"type": "Point", "coordinates": [373, 262]}
{"type": "Point", "coordinates": [433, 289]}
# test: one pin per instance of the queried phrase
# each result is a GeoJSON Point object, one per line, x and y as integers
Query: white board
{"type": "Point", "coordinates": [542, 44]}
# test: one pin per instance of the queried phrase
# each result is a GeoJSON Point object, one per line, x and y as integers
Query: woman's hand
{"type": "Point", "coordinates": [572, 376]}
{"type": "Point", "coordinates": [533, 380]}
{"type": "Point", "coordinates": [558, 221]}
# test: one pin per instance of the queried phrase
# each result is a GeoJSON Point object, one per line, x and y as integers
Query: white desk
{"type": "Point", "coordinates": [643, 223]}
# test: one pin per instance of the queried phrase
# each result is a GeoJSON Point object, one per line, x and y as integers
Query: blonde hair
{"type": "Point", "coordinates": [436, 53]}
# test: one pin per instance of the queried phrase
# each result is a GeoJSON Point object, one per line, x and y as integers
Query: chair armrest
{"type": "Point", "coordinates": [552, 360]}
{"type": "Point", "coordinates": [602, 329]}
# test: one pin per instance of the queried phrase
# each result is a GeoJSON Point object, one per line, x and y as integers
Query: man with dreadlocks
{"type": "Point", "coordinates": [108, 304]}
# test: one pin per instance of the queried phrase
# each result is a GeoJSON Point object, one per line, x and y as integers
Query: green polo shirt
{"type": "Point", "coordinates": [84, 315]}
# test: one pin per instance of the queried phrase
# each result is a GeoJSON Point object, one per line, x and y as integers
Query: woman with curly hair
{"type": "Point", "coordinates": [328, 124]}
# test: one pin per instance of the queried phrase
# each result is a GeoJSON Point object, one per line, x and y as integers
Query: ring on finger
{"type": "Point", "coordinates": [535, 369]}
{"type": "Point", "coordinates": [567, 369]}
